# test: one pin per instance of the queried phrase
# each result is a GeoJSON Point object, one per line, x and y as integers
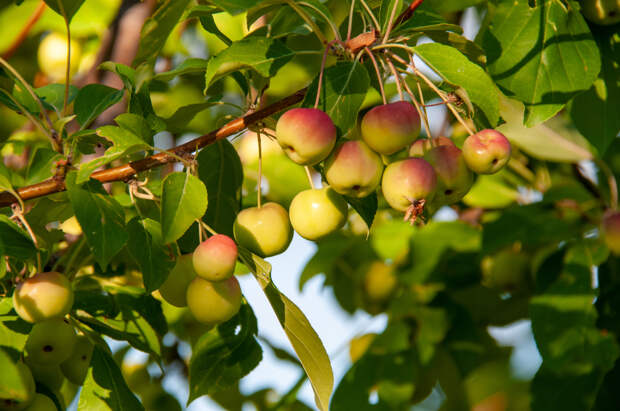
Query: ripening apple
{"type": "Point", "coordinates": [353, 169]}
{"type": "Point", "coordinates": [318, 212]}
{"type": "Point", "coordinates": [8, 401]}
{"type": "Point", "coordinates": [611, 231]}
{"type": "Point", "coordinates": [454, 178]}
{"type": "Point", "coordinates": [379, 281]}
{"type": "Point", "coordinates": [359, 345]}
{"type": "Point", "coordinates": [215, 258]}
{"type": "Point", "coordinates": [41, 402]}
{"type": "Point", "coordinates": [76, 366]}
{"type": "Point", "coordinates": [214, 302]}
{"type": "Point", "coordinates": [307, 135]}
{"type": "Point", "coordinates": [174, 289]}
{"type": "Point", "coordinates": [423, 145]}
{"type": "Point", "coordinates": [52, 56]}
{"type": "Point", "coordinates": [390, 127]}
{"type": "Point", "coordinates": [408, 180]}
{"type": "Point", "coordinates": [42, 297]}
{"type": "Point", "coordinates": [50, 342]}
{"type": "Point", "coordinates": [487, 151]}
{"type": "Point", "coordinates": [603, 12]}
{"type": "Point", "coordinates": [265, 231]}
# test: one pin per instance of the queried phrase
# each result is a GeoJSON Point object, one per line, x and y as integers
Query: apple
{"type": "Point", "coordinates": [454, 179]}
{"type": "Point", "coordinates": [48, 375]}
{"type": "Point", "coordinates": [359, 345]}
{"type": "Point", "coordinates": [8, 401]}
{"type": "Point", "coordinates": [610, 228]}
{"type": "Point", "coordinates": [52, 56]}
{"type": "Point", "coordinates": [353, 169]}
{"type": "Point", "coordinates": [423, 145]}
{"type": "Point", "coordinates": [602, 12]}
{"type": "Point", "coordinates": [213, 302]}
{"type": "Point", "coordinates": [214, 259]}
{"type": "Point", "coordinates": [318, 212]}
{"type": "Point", "coordinates": [379, 281]}
{"type": "Point", "coordinates": [41, 403]}
{"type": "Point", "coordinates": [265, 231]}
{"type": "Point", "coordinates": [76, 366]}
{"type": "Point", "coordinates": [507, 270]}
{"type": "Point", "coordinates": [486, 152]}
{"type": "Point", "coordinates": [50, 342]}
{"type": "Point", "coordinates": [307, 135]}
{"type": "Point", "coordinates": [408, 180]}
{"type": "Point", "coordinates": [42, 297]}
{"type": "Point", "coordinates": [174, 289]}
{"type": "Point", "coordinates": [390, 127]}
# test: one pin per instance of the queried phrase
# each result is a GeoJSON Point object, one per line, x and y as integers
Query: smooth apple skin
{"type": "Point", "coordinates": [408, 180]}
{"type": "Point", "coordinates": [454, 178]}
{"type": "Point", "coordinates": [8, 401]}
{"type": "Point", "coordinates": [76, 366]}
{"type": "Point", "coordinates": [487, 151]}
{"type": "Point", "coordinates": [214, 259]}
{"type": "Point", "coordinates": [174, 289]}
{"type": "Point", "coordinates": [307, 135]}
{"type": "Point", "coordinates": [379, 281]}
{"type": "Point", "coordinates": [603, 12]}
{"type": "Point", "coordinates": [423, 145]}
{"type": "Point", "coordinates": [611, 231]}
{"type": "Point", "coordinates": [354, 169]}
{"type": "Point", "coordinates": [390, 127]}
{"type": "Point", "coordinates": [52, 56]}
{"type": "Point", "coordinates": [50, 342]}
{"type": "Point", "coordinates": [213, 302]}
{"type": "Point", "coordinates": [42, 297]}
{"type": "Point", "coordinates": [318, 212]}
{"type": "Point", "coordinates": [41, 402]}
{"type": "Point", "coordinates": [265, 231]}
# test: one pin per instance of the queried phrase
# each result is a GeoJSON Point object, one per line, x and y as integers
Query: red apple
{"type": "Point", "coordinates": [487, 151]}
{"type": "Point", "coordinates": [353, 169]}
{"type": "Point", "coordinates": [408, 180]}
{"type": "Point", "coordinates": [214, 259]}
{"type": "Point", "coordinates": [454, 179]}
{"type": "Point", "coordinates": [307, 135]}
{"type": "Point", "coordinates": [391, 127]}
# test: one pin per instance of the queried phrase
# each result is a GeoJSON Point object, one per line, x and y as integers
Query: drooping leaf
{"type": "Point", "coordinates": [5, 183]}
{"type": "Point", "coordinates": [14, 384]}
{"type": "Point", "coordinates": [219, 168]}
{"type": "Point", "coordinates": [105, 388]}
{"type": "Point", "coordinates": [264, 55]}
{"type": "Point", "coordinates": [342, 93]}
{"type": "Point", "coordinates": [366, 207]}
{"type": "Point", "coordinates": [15, 242]}
{"type": "Point", "coordinates": [235, 6]}
{"type": "Point", "coordinates": [224, 354]}
{"type": "Point", "coordinates": [13, 332]}
{"type": "Point", "coordinates": [101, 217]}
{"type": "Point", "coordinates": [542, 55]}
{"type": "Point", "coordinates": [66, 8]}
{"type": "Point", "coordinates": [184, 199]}
{"type": "Point", "coordinates": [189, 66]}
{"type": "Point", "coordinates": [94, 99]}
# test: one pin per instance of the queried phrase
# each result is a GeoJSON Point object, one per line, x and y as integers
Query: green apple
{"type": "Point", "coordinates": [76, 366]}
{"type": "Point", "coordinates": [50, 342]}
{"type": "Point", "coordinates": [408, 180]}
{"type": "Point", "coordinates": [41, 403]}
{"type": "Point", "coordinates": [379, 281]}
{"type": "Point", "coordinates": [213, 302]}
{"type": "Point", "coordinates": [48, 375]}
{"type": "Point", "coordinates": [318, 212]}
{"type": "Point", "coordinates": [265, 231]}
{"type": "Point", "coordinates": [454, 178]}
{"type": "Point", "coordinates": [52, 56]}
{"type": "Point", "coordinates": [42, 297]}
{"type": "Point", "coordinates": [214, 259]}
{"type": "Point", "coordinates": [27, 382]}
{"type": "Point", "coordinates": [390, 127]}
{"type": "Point", "coordinates": [602, 12]}
{"type": "Point", "coordinates": [353, 169]}
{"type": "Point", "coordinates": [174, 289]}
{"type": "Point", "coordinates": [307, 135]}
{"type": "Point", "coordinates": [487, 151]}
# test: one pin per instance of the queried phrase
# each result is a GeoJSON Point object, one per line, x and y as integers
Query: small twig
{"type": "Point", "coordinates": [327, 20]}
{"type": "Point", "coordinates": [396, 77]}
{"type": "Point", "coordinates": [372, 16]}
{"type": "Point", "coordinates": [207, 227]}
{"type": "Point", "coordinates": [388, 29]}
{"type": "Point", "coordinates": [68, 68]}
{"type": "Point", "coordinates": [315, 29]}
{"type": "Point", "coordinates": [318, 87]}
{"type": "Point", "coordinates": [422, 113]}
{"type": "Point", "coordinates": [19, 214]}
{"type": "Point", "coordinates": [23, 34]}
{"type": "Point", "coordinates": [379, 79]}
{"type": "Point", "coordinates": [406, 15]}
{"type": "Point", "coordinates": [350, 25]}
{"type": "Point", "coordinates": [309, 174]}
{"type": "Point", "coordinates": [260, 171]}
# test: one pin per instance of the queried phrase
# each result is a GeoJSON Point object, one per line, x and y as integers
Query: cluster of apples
{"type": "Point", "coordinates": [204, 282]}
{"type": "Point", "coordinates": [53, 350]}
{"type": "Point", "coordinates": [436, 171]}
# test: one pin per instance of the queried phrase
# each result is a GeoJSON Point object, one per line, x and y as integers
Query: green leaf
{"type": "Point", "coordinates": [66, 8]}
{"type": "Point", "coordinates": [220, 169]}
{"type": "Point", "coordinates": [447, 6]}
{"type": "Point", "coordinates": [265, 56]}
{"type": "Point", "coordinates": [386, 10]}
{"type": "Point", "coordinates": [426, 20]}
{"type": "Point", "coordinates": [102, 219]}
{"type": "Point", "coordinates": [328, 252]}
{"type": "Point", "coordinates": [13, 332]}
{"type": "Point", "coordinates": [123, 142]}
{"type": "Point", "coordinates": [542, 56]}
{"type": "Point", "coordinates": [13, 383]}
{"type": "Point", "coordinates": [105, 388]}
{"type": "Point", "coordinates": [343, 91]}
{"type": "Point", "coordinates": [595, 112]}
{"type": "Point", "coordinates": [92, 100]}
{"type": "Point", "coordinates": [300, 333]}
{"type": "Point", "coordinates": [149, 253]}
{"type": "Point", "coordinates": [205, 15]}
{"type": "Point", "coordinates": [366, 207]}
{"type": "Point", "coordinates": [235, 6]}
{"type": "Point", "coordinates": [224, 355]}
{"type": "Point", "coordinates": [183, 200]}
{"type": "Point", "coordinates": [157, 28]}
{"type": "Point", "coordinates": [53, 96]}
{"type": "Point", "coordinates": [137, 125]}
{"type": "Point", "coordinates": [456, 69]}
{"type": "Point", "coordinates": [491, 191]}
{"type": "Point", "coordinates": [470, 49]}
{"type": "Point", "coordinates": [189, 66]}
{"type": "Point", "coordinates": [391, 239]}
{"type": "Point", "coordinates": [15, 242]}
{"type": "Point", "coordinates": [6, 185]}
{"type": "Point", "coordinates": [181, 118]}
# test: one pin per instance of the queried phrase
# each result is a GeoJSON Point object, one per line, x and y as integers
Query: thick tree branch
{"type": "Point", "coordinates": [126, 171]}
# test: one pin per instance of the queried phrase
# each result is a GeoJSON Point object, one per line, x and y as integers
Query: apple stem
{"type": "Point", "coordinates": [260, 171]}
{"type": "Point", "coordinates": [372, 16]}
{"type": "Point", "coordinates": [318, 87]}
{"type": "Point", "coordinates": [397, 78]}
{"type": "Point", "coordinates": [309, 174]}
{"type": "Point", "coordinates": [419, 108]}
{"type": "Point", "coordinates": [390, 21]}
{"type": "Point", "coordinates": [350, 25]}
{"type": "Point", "coordinates": [376, 66]}
{"type": "Point", "coordinates": [18, 213]}
{"type": "Point", "coordinates": [200, 231]}
{"type": "Point", "coordinates": [206, 227]}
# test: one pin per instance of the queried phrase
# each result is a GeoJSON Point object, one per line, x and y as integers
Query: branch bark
{"type": "Point", "coordinates": [126, 171]}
